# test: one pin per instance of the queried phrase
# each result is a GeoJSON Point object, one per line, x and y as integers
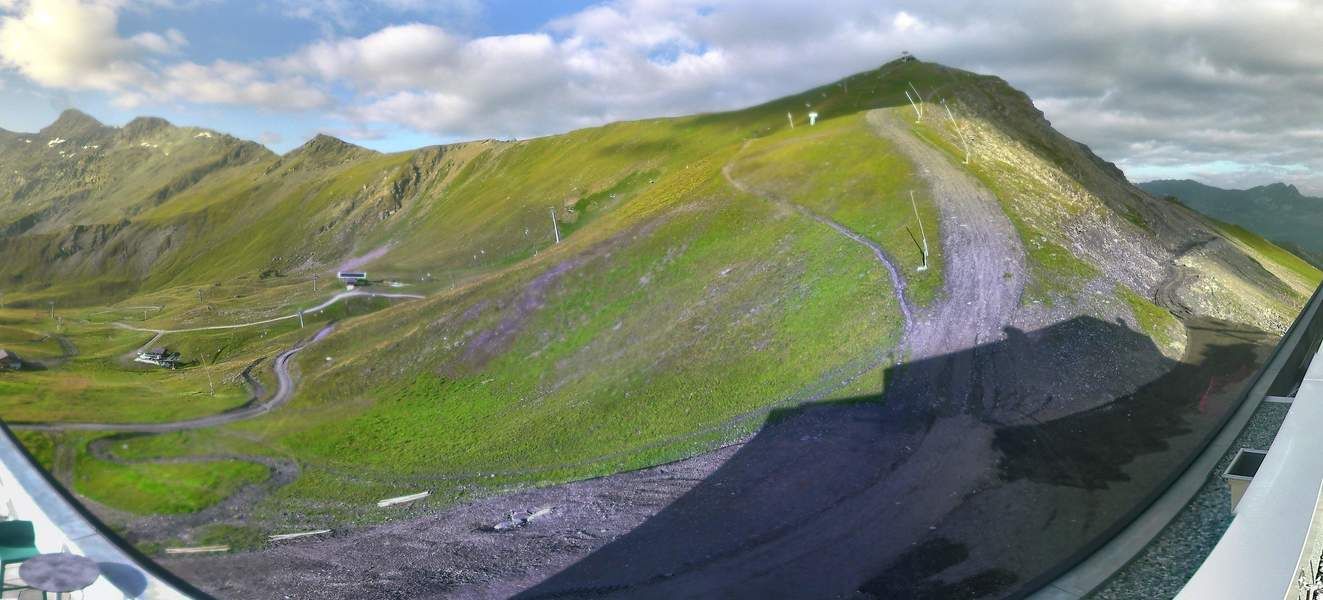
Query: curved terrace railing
{"type": "Point", "coordinates": [1286, 374]}
{"type": "Point", "coordinates": [29, 493]}
{"type": "Point", "coordinates": [1274, 545]}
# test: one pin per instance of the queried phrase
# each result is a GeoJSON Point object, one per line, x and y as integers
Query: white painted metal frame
{"type": "Point", "coordinates": [1258, 555]}
{"type": "Point", "coordinates": [28, 496]}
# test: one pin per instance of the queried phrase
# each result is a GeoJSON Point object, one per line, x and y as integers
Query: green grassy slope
{"type": "Point", "coordinates": [842, 170]}
{"type": "Point", "coordinates": [1272, 254]}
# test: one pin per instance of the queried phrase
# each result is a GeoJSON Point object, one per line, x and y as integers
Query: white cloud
{"type": "Point", "coordinates": [622, 60]}
{"type": "Point", "coordinates": [224, 82]}
{"type": "Point", "coordinates": [905, 21]}
{"type": "Point", "coordinates": [69, 44]}
{"type": "Point", "coordinates": [169, 42]}
{"type": "Point", "coordinates": [76, 45]}
{"type": "Point", "coordinates": [1148, 84]}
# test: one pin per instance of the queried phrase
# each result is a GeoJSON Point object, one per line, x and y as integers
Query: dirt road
{"type": "Point", "coordinates": [327, 304]}
{"type": "Point", "coordinates": [984, 259]}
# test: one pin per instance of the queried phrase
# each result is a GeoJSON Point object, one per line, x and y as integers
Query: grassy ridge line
{"type": "Point", "coordinates": [1305, 274]}
{"type": "Point", "coordinates": [844, 171]}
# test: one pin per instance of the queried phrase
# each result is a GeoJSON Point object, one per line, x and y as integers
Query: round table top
{"type": "Point", "coordinates": [59, 572]}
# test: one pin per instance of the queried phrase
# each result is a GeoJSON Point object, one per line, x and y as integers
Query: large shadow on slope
{"type": "Point", "coordinates": [978, 473]}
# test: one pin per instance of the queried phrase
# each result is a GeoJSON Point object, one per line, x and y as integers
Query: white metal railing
{"type": "Point", "coordinates": [29, 496]}
{"type": "Point", "coordinates": [1272, 547]}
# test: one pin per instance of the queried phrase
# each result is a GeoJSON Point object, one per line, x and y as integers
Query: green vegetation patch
{"type": "Point", "coordinates": [29, 344]}
{"type": "Point", "coordinates": [746, 311]}
{"type": "Point", "coordinates": [163, 487]}
{"type": "Point", "coordinates": [1156, 322]}
{"type": "Point", "coordinates": [841, 170]}
{"type": "Point", "coordinates": [1307, 272]}
{"type": "Point", "coordinates": [40, 445]}
{"type": "Point", "coordinates": [239, 538]}
{"type": "Point", "coordinates": [101, 392]}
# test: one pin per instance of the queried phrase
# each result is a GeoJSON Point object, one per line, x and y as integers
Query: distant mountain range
{"type": "Point", "coordinates": [1278, 211]}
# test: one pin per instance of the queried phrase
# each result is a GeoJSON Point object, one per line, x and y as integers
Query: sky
{"type": "Point", "coordinates": [1226, 92]}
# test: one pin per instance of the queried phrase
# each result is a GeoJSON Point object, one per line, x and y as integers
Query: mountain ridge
{"type": "Point", "coordinates": [1277, 211]}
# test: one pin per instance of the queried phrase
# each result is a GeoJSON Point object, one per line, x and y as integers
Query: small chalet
{"type": "Point", "coordinates": [159, 356]}
{"type": "Point", "coordinates": [9, 361]}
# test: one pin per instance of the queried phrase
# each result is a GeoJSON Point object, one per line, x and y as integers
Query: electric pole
{"type": "Point", "coordinates": [52, 305]}
{"type": "Point", "coordinates": [314, 282]}
{"type": "Point", "coordinates": [300, 318]}
{"type": "Point", "coordinates": [554, 227]}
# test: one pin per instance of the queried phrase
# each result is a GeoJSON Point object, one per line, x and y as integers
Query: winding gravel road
{"type": "Point", "coordinates": [315, 309]}
{"type": "Point", "coordinates": [983, 262]}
